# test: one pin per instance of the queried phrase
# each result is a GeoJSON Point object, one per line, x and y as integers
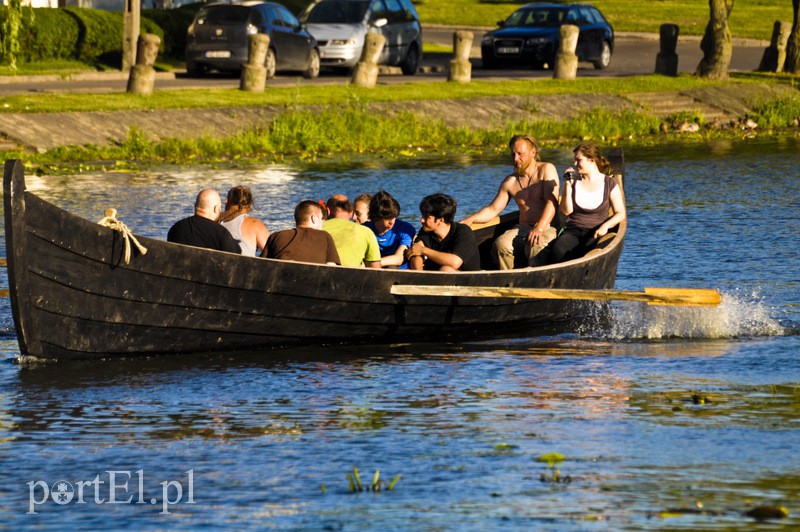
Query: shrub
{"type": "Point", "coordinates": [88, 35]}
{"type": "Point", "coordinates": [174, 23]}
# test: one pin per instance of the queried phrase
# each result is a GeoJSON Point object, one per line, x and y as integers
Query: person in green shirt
{"type": "Point", "coordinates": [357, 245]}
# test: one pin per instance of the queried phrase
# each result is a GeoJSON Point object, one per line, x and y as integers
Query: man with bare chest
{"type": "Point", "coordinates": [534, 187]}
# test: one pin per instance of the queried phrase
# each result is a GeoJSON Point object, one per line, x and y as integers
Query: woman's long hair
{"type": "Point", "coordinates": [239, 201]}
{"type": "Point", "coordinates": [592, 152]}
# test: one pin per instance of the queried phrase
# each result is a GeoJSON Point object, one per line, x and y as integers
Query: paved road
{"type": "Point", "coordinates": [634, 54]}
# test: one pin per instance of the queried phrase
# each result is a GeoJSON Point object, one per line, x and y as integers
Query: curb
{"type": "Point", "coordinates": [78, 76]}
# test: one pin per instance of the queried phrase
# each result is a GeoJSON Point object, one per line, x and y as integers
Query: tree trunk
{"type": "Point", "coordinates": [716, 43]}
{"type": "Point", "coordinates": [792, 63]}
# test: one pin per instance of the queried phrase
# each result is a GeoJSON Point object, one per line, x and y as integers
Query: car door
{"type": "Point", "coordinates": [378, 11]}
{"type": "Point", "coordinates": [279, 38]}
{"type": "Point", "coordinates": [298, 41]}
{"type": "Point", "coordinates": [592, 32]}
{"type": "Point", "coordinates": [573, 17]}
{"type": "Point", "coordinates": [398, 22]}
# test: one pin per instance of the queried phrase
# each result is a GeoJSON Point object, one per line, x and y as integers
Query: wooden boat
{"type": "Point", "coordinates": [73, 296]}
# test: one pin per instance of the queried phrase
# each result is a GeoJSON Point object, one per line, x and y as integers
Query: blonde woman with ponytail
{"type": "Point", "coordinates": [251, 233]}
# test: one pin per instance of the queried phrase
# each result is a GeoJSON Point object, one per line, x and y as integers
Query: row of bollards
{"type": "Point", "coordinates": [254, 72]}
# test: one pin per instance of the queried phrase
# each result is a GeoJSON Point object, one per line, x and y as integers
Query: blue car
{"type": "Point", "coordinates": [530, 37]}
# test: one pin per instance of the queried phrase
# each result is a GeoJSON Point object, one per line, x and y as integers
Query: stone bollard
{"type": "Point", "coordinates": [566, 66]}
{"type": "Point", "coordinates": [254, 72]}
{"type": "Point", "coordinates": [667, 59]}
{"type": "Point", "coordinates": [366, 72]}
{"type": "Point", "coordinates": [143, 76]}
{"type": "Point", "coordinates": [460, 68]}
{"type": "Point", "coordinates": [775, 54]}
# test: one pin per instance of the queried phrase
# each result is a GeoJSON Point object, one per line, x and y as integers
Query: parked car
{"type": "Point", "coordinates": [219, 36]}
{"type": "Point", "coordinates": [340, 27]}
{"type": "Point", "coordinates": [530, 37]}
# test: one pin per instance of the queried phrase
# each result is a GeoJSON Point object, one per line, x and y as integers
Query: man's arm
{"type": "Point", "coordinates": [395, 259]}
{"type": "Point", "coordinates": [332, 255]}
{"type": "Point", "coordinates": [446, 261]}
{"type": "Point", "coordinates": [372, 256]}
{"type": "Point", "coordinates": [497, 205]}
{"type": "Point", "coordinates": [551, 191]}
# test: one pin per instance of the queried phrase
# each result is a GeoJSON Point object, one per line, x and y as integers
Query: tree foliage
{"type": "Point", "coordinates": [11, 26]}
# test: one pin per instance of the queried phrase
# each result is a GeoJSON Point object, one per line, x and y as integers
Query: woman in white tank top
{"type": "Point", "coordinates": [250, 232]}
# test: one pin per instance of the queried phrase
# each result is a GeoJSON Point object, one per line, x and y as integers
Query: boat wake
{"type": "Point", "coordinates": [737, 316]}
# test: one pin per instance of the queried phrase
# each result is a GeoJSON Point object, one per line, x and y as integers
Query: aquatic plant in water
{"type": "Point", "coordinates": [355, 484]}
{"type": "Point", "coordinates": [551, 459]}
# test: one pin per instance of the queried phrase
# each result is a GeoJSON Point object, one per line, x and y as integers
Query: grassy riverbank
{"type": "Point", "coordinates": [345, 93]}
{"type": "Point", "coordinates": [346, 129]}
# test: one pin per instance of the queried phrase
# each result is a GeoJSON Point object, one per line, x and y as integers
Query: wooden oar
{"type": "Point", "coordinates": [652, 296]}
{"type": "Point", "coordinates": [3, 262]}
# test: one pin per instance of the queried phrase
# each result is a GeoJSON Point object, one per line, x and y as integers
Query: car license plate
{"type": "Point", "coordinates": [220, 54]}
{"type": "Point", "coordinates": [508, 50]}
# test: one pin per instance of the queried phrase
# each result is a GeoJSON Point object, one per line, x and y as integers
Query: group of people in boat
{"type": "Point", "coordinates": [368, 232]}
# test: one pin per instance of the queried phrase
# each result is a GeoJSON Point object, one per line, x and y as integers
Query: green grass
{"type": "Point", "coordinates": [349, 133]}
{"type": "Point", "coordinates": [338, 94]}
{"type": "Point", "coordinates": [749, 18]}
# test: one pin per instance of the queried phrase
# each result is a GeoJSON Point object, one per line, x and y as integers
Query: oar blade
{"type": "Point", "coordinates": [696, 297]}
{"type": "Point", "coordinates": [651, 296]}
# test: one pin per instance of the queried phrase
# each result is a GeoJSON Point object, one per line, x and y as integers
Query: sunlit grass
{"type": "Point", "coordinates": [749, 18]}
{"type": "Point", "coordinates": [352, 131]}
{"type": "Point", "coordinates": [340, 94]}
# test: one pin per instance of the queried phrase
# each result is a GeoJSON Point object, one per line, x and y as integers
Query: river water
{"type": "Point", "coordinates": [666, 418]}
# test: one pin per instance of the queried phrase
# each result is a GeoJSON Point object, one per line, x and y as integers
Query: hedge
{"type": "Point", "coordinates": [94, 36]}
{"type": "Point", "coordinates": [88, 35]}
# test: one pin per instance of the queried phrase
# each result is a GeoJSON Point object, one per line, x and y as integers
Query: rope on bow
{"type": "Point", "coordinates": [111, 222]}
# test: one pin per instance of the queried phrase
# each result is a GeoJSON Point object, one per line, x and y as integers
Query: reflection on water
{"type": "Point", "coordinates": [667, 418]}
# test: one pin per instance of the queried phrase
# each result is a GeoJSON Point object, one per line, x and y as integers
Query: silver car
{"type": "Point", "coordinates": [340, 27]}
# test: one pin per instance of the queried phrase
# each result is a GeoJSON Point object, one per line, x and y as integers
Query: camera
{"type": "Point", "coordinates": [572, 176]}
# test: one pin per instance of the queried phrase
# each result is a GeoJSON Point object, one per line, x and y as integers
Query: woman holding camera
{"type": "Point", "coordinates": [589, 191]}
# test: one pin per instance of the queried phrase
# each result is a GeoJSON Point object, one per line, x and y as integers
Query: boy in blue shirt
{"type": "Point", "coordinates": [394, 236]}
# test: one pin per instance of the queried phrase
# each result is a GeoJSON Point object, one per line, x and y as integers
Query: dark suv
{"type": "Point", "coordinates": [218, 39]}
{"type": "Point", "coordinates": [530, 37]}
{"type": "Point", "coordinates": [341, 26]}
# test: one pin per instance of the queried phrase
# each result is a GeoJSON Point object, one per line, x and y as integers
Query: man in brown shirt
{"type": "Point", "coordinates": [307, 242]}
{"type": "Point", "coordinates": [534, 187]}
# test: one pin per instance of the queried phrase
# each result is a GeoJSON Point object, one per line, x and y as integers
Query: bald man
{"type": "Point", "coordinates": [202, 229]}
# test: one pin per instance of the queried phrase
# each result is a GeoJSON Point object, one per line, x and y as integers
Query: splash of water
{"type": "Point", "coordinates": [737, 316]}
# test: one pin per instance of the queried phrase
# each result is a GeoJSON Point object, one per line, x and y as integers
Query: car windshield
{"type": "Point", "coordinates": [223, 15]}
{"type": "Point", "coordinates": [525, 18]}
{"type": "Point", "coordinates": [338, 12]}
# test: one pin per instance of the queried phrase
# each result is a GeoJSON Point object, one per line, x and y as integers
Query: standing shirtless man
{"type": "Point", "coordinates": [534, 187]}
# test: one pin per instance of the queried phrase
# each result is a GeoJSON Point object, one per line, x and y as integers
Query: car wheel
{"type": "Point", "coordinates": [601, 63]}
{"type": "Point", "coordinates": [270, 63]}
{"type": "Point", "coordinates": [195, 70]}
{"type": "Point", "coordinates": [410, 64]}
{"type": "Point", "coordinates": [313, 65]}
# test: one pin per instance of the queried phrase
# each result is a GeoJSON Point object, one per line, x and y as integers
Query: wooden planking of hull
{"type": "Point", "coordinates": [73, 297]}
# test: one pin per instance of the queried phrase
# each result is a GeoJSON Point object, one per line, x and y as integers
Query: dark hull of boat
{"type": "Point", "coordinates": [72, 296]}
